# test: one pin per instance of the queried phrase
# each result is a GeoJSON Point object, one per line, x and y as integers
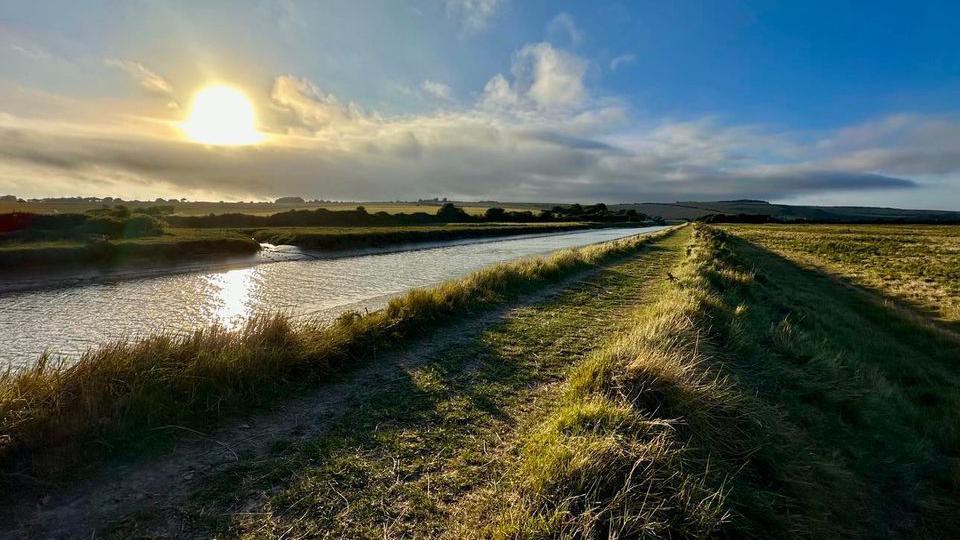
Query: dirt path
{"type": "Point", "coordinates": [162, 484]}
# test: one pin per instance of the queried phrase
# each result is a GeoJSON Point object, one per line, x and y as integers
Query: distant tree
{"type": "Point", "coordinates": [361, 210]}
{"type": "Point", "coordinates": [598, 208]}
{"type": "Point", "coordinates": [8, 198]}
{"type": "Point", "coordinates": [290, 200]}
{"type": "Point", "coordinates": [449, 212]}
{"type": "Point", "coordinates": [495, 214]}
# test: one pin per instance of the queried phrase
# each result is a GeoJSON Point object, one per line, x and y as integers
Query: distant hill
{"type": "Point", "coordinates": [785, 212]}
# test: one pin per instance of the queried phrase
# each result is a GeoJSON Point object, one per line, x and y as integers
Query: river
{"type": "Point", "coordinates": [67, 317]}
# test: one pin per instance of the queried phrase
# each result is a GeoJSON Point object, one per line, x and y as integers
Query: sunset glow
{"type": "Point", "coordinates": [222, 116]}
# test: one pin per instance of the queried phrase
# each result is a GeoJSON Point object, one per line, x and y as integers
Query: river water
{"type": "Point", "coordinates": [67, 316]}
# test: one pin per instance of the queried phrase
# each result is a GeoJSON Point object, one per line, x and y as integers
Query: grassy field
{"type": "Point", "coordinates": [695, 385]}
{"type": "Point", "coordinates": [171, 246]}
{"type": "Point", "coordinates": [917, 264]}
{"type": "Point", "coordinates": [254, 208]}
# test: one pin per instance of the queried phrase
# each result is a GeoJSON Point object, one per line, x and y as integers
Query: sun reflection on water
{"type": "Point", "coordinates": [233, 300]}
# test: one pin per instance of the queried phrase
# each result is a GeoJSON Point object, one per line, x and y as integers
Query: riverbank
{"type": "Point", "coordinates": [344, 238]}
{"type": "Point", "coordinates": [179, 245]}
{"type": "Point", "coordinates": [52, 414]}
{"type": "Point", "coordinates": [173, 246]}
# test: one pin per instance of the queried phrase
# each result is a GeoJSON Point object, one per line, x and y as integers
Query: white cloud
{"type": "Point", "coordinates": [498, 93]}
{"type": "Point", "coordinates": [557, 76]}
{"type": "Point", "coordinates": [144, 77]}
{"type": "Point", "coordinates": [474, 15]}
{"type": "Point", "coordinates": [310, 109]}
{"type": "Point", "coordinates": [563, 25]}
{"type": "Point", "coordinates": [545, 78]}
{"type": "Point", "coordinates": [32, 52]}
{"type": "Point", "coordinates": [622, 60]}
{"type": "Point", "coordinates": [438, 90]}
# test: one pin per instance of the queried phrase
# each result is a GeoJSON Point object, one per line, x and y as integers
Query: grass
{"type": "Point", "coordinates": [740, 395]}
{"type": "Point", "coordinates": [756, 399]}
{"type": "Point", "coordinates": [174, 245]}
{"type": "Point", "coordinates": [423, 435]}
{"type": "Point", "coordinates": [51, 412]}
{"type": "Point", "coordinates": [916, 264]}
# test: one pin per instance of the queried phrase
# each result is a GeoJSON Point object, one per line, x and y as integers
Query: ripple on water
{"type": "Point", "coordinates": [69, 320]}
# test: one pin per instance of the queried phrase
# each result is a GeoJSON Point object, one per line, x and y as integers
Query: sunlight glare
{"type": "Point", "coordinates": [234, 296]}
{"type": "Point", "coordinates": [222, 115]}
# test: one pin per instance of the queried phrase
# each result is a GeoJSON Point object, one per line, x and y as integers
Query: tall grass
{"type": "Point", "coordinates": [125, 391]}
{"type": "Point", "coordinates": [614, 458]}
{"type": "Point", "coordinates": [722, 412]}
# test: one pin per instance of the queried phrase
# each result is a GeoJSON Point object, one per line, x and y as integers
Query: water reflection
{"type": "Point", "coordinates": [69, 320]}
{"type": "Point", "coordinates": [232, 303]}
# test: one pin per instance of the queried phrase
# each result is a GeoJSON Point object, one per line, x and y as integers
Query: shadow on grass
{"type": "Point", "coordinates": [410, 443]}
{"type": "Point", "coordinates": [870, 387]}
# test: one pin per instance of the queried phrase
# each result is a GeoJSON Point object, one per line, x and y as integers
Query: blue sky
{"type": "Point", "coordinates": [806, 102]}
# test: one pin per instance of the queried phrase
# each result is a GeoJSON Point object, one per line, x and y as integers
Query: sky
{"type": "Point", "coordinates": [803, 102]}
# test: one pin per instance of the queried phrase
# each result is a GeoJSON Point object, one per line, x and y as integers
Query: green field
{"type": "Point", "coordinates": [174, 245]}
{"type": "Point", "coordinates": [202, 208]}
{"type": "Point", "coordinates": [917, 264]}
{"type": "Point", "coordinates": [702, 383]}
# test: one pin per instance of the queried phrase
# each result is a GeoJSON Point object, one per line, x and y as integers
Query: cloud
{"type": "Point", "coordinates": [557, 75]}
{"type": "Point", "coordinates": [537, 135]}
{"type": "Point", "coordinates": [438, 90]}
{"type": "Point", "coordinates": [474, 15]}
{"type": "Point", "coordinates": [145, 78]}
{"type": "Point", "coordinates": [498, 93]}
{"type": "Point", "coordinates": [543, 77]}
{"type": "Point", "coordinates": [622, 60]}
{"type": "Point", "coordinates": [30, 51]}
{"type": "Point", "coordinates": [309, 109]}
{"type": "Point", "coordinates": [564, 25]}
{"type": "Point", "coordinates": [469, 154]}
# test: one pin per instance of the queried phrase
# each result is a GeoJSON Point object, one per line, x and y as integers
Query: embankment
{"type": "Point", "coordinates": [756, 399]}
{"type": "Point", "coordinates": [120, 253]}
{"type": "Point", "coordinates": [53, 415]}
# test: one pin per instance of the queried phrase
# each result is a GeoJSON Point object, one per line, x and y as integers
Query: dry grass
{"type": "Point", "coordinates": [613, 460]}
{"type": "Point", "coordinates": [123, 391]}
{"type": "Point", "coordinates": [755, 399]}
{"type": "Point", "coordinates": [918, 264]}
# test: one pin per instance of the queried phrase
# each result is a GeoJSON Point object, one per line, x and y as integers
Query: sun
{"type": "Point", "coordinates": [222, 115]}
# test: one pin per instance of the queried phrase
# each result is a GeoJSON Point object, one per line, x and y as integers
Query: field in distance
{"type": "Point", "coordinates": [916, 264]}
{"type": "Point", "coordinates": [202, 208]}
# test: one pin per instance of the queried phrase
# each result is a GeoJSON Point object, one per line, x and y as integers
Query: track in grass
{"type": "Point", "coordinates": [414, 441]}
